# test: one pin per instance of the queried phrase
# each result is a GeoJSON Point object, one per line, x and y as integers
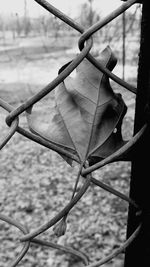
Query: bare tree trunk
{"type": "Point", "coordinates": [25, 16]}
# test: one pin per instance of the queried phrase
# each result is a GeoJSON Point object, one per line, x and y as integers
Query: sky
{"type": "Point", "coordinates": [70, 7]}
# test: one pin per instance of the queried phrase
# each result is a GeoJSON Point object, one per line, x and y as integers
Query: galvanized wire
{"type": "Point", "coordinates": [85, 44]}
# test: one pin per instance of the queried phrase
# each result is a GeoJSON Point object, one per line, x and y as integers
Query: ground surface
{"type": "Point", "coordinates": [36, 183]}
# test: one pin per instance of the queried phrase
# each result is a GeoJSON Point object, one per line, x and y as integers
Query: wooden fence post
{"type": "Point", "coordinates": [138, 253]}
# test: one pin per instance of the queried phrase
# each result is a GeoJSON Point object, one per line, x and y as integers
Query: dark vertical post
{"type": "Point", "coordinates": [138, 253]}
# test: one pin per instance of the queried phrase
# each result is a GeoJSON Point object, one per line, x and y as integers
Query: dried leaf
{"type": "Point", "coordinates": [87, 115]}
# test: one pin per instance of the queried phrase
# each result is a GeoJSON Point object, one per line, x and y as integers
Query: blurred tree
{"type": "Point", "coordinates": [57, 25]}
{"type": "Point", "coordinates": [27, 24]}
{"type": "Point", "coordinates": [44, 24]}
{"type": "Point", "coordinates": [2, 27]}
{"type": "Point", "coordinates": [18, 25]}
{"type": "Point", "coordinates": [88, 16]}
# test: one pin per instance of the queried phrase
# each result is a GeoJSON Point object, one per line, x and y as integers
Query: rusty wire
{"type": "Point", "coordinates": [85, 44]}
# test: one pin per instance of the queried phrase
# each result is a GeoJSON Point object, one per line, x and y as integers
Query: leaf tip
{"type": "Point", "coordinates": [60, 228]}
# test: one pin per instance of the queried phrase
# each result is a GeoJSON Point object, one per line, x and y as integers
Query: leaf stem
{"type": "Point", "coordinates": [75, 186]}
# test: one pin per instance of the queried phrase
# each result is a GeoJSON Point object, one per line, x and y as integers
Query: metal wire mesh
{"type": "Point", "coordinates": [85, 44]}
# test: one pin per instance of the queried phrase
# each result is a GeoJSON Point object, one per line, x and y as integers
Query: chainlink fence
{"type": "Point", "coordinates": [85, 44]}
